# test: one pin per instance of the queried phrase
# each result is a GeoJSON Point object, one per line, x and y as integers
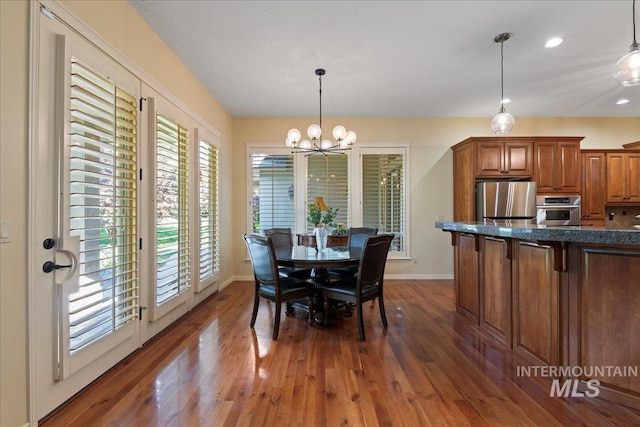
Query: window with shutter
{"type": "Point", "coordinates": [328, 177]}
{"type": "Point", "coordinates": [209, 257]}
{"type": "Point", "coordinates": [102, 206]}
{"type": "Point", "coordinates": [172, 209]}
{"type": "Point", "coordinates": [383, 195]}
{"type": "Point", "coordinates": [272, 191]}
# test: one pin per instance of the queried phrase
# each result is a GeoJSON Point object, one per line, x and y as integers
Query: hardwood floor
{"type": "Point", "coordinates": [430, 367]}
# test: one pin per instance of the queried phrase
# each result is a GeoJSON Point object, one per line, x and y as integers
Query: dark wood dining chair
{"type": "Point", "coordinates": [269, 284]}
{"type": "Point", "coordinates": [355, 242]}
{"type": "Point", "coordinates": [367, 284]}
{"type": "Point", "coordinates": [282, 239]}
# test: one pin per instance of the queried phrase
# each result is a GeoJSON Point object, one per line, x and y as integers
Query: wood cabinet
{"type": "Point", "coordinates": [605, 324]}
{"type": "Point", "coordinates": [593, 188]}
{"type": "Point", "coordinates": [495, 288]}
{"type": "Point", "coordinates": [536, 299]}
{"type": "Point", "coordinates": [492, 158]}
{"type": "Point", "coordinates": [500, 158]}
{"type": "Point", "coordinates": [466, 274]}
{"type": "Point", "coordinates": [557, 165]}
{"type": "Point", "coordinates": [623, 177]}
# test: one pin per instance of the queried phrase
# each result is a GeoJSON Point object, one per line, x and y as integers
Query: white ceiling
{"type": "Point", "coordinates": [402, 58]}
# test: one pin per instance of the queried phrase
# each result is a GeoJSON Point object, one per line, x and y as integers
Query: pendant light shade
{"type": "Point", "coordinates": [502, 122]}
{"type": "Point", "coordinates": [627, 70]}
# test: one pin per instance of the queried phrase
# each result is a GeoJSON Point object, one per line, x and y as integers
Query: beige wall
{"type": "Point", "coordinates": [430, 167]}
{"type": "Point", "coordinates": [14, 45]}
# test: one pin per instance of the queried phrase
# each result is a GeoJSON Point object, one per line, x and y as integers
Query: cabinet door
{"type": "Point", "coordinates": [495, 288]}
{"type": "Point", "coordinates": [633, 177]}
{"type": "Point", "coordinates": [616, 177]}
{"type": "Point", "coordinates": [545, 166]}
{"type": "Point", "coordinates": [489, 159]}
{"type": "Point", "coordinates": [518, 159]}
{"type": "Point", "coordinates": [557, 166]}
{"type": "Point", "coordinates": [466, 275]}
{"type": "Point", "coordinates": [568, 167]}
{"type": "Point", "coordinates": [593, 186]}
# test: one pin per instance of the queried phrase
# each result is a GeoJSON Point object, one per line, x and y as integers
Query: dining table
{"type": "Point", "coordinates": [319, 262]}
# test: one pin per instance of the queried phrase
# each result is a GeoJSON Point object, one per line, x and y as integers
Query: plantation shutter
{"type": "Point", "coordinates": [172, 210]}
{"type": "Point", "coordinates": [272, 201]}
{"type": "Point", "coordinates": [328, 177]}
{"type": "Point", "coordinates": [102, 206]}
{"type": "Point", "coordinates": [208, 201]}
{"type": "Point", "coordinates": [383, 197]}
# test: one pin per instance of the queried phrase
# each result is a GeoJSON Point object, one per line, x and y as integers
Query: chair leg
{"type": "Point", "coordinates": [256, 302]}
{"type": "Point", "coordinates": [325, 315]}
{"type": "Point", "coordinates": [311, 309]}
{"type": "Point", "coordinates": [382, 312]}
{"type": "Point", "coordinates": [360, 320]}
{"type": "Point", "coordinates": [276, 324]}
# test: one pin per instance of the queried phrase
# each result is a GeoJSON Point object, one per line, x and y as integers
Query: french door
{"type": "Point", "coordinates": [84, 204]}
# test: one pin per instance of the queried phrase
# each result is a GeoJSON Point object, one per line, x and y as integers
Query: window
{"type": "Point", "coordinates": [367, 186]}
{"type": "Point", "coordinates": [102, 206]}
{"type": "Point", "coordinates": [272, 191]}
{"type": "Point", "coordinates": [383, 196]}
{"type": "Point", "coordinates": [172, 209]}
{"type": "Point", "coordinates": [209, 256]}
{"type": "Point", "coordinates": [328, 177]}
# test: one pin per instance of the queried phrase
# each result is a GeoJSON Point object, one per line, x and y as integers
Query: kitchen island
{"type": "Point", "coordinates": [558, 296]}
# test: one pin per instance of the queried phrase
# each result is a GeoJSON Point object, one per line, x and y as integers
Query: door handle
{"type": "Point", "coordinates": [49, 266]}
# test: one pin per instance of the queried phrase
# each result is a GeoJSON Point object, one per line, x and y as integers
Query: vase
{"type": "Point", "coordinates": [321, 234]}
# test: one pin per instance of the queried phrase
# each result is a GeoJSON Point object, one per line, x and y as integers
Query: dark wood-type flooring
{"type": "Point", "coordinates": [430, 367]}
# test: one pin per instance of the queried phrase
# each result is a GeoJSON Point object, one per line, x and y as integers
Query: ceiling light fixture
{"type": "Point", "coordinates": [344, 139]}
{"type": "Point", "coordinates": [622, 101]}
{"type": "Point", "coordinates": [556, 41]}
{"type": "Point", "coordinates": [503, 122]}
{"type": "Point", "coordinates": [627, 71]}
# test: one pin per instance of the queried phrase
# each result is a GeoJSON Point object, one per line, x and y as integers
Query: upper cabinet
{"type": "Point", "coordinates": [557, 165]}
{"type": "Point", "coordinates": [497, 157]}
{"type": "Point", "coordinates": [623, 177]}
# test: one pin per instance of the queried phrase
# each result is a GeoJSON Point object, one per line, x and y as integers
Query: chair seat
{"type": "Point", "coordinates": [288, 286]}
{"type": "Point", "coordinates": [348, 287]}
{"type": "Point", "coordinates": [345, 272]}
{"type": "Point", "coordinates": [297, 273]}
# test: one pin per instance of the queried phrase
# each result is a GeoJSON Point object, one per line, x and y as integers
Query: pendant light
{"type": "Point", "coordinates": [627, 71]}
{"type": "Point", "coordinates": [503, 122]}
{"type": "Point", "coordinates": [343, 139]}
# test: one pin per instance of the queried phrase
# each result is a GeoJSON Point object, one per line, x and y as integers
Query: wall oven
{"type": "Point", "coordinates": [558, 210]}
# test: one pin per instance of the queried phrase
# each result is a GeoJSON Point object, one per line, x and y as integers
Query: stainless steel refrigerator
{"type": "Point", "coordinates": [506, 200]}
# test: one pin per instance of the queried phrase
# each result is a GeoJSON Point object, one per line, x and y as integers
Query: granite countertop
{"type": "Point", "coordinates": [527, 230]}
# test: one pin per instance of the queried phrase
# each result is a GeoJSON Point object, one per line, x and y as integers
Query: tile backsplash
{"type": "Point", "coordinates": [622, 216]}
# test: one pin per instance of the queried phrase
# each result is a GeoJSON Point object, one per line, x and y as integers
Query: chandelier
{"type": "Point", "coordinates": [343, 139]}
{"type": "Point", "coordinates": [627, 71]}
{"type": "Point", "coordinates": [503, 122]}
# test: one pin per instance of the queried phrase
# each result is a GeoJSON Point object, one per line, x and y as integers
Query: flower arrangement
{"type": "Point", "coordinates": [340, 231]}
{"type": "Point", "coordinates": [317, 218]}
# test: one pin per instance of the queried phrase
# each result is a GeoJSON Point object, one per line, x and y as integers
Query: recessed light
{"type": "Point", "coordinates": [622, 101]}
{"type": "Point", "coordinates": [556, 41]}
{"type": "Point", "coordinates": [505, 101]}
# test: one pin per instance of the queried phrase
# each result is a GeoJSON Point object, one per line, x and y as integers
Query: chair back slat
{"type": "Point", "coordinates": [374, 258]}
